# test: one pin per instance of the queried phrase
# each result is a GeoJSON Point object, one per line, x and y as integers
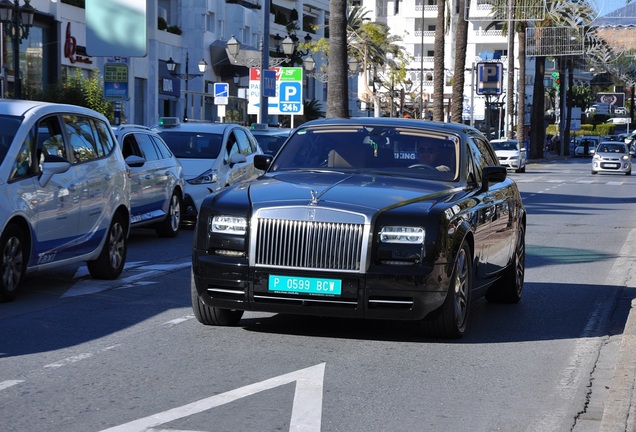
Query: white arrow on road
{"type": "Point", "coordinates": [306, 410]}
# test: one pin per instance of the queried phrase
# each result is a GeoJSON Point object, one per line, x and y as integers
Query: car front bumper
{"type": "Point", "coordinates": [221, 283]}
{"type": "Point", "coordinates": [611, 166]}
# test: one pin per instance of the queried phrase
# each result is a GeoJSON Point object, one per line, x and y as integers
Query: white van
{"type": "Point", "coordinates": [619, 120]}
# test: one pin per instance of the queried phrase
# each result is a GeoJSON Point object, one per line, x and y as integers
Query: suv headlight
{"type": "Point", "coordinates": [228, 225]}
{"type": "Point", "coordinates": [210, 176]}
{"type": "Point", "coordinates": [402, 234]}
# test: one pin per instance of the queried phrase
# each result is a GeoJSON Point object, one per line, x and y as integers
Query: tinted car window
{"type": "Point", "coordinates": [161, 148]}
{"type": "Point", "coordinates": [25, 163]}
{"type": "Point", "coordinates": [245, 146]}
{"type": "Point", "coordinates": [8, 127]}
{"type": "Point", "coordinates": [147, 147]}
{"type": "Point", "coordinates": [193, 144]}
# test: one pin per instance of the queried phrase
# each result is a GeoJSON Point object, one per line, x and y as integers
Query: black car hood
{"type": "Point", "coordinates": [354, 191]}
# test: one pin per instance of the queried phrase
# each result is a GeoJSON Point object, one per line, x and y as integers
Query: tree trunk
{"type": "Point", "coordinates": [461, 41]}
{"type": "Point", "coordinates": [438, 63]}
{"type": "Point", "coordinates": [521, 101]}
{"type": "Point", "coordinates": [337, 88]}
{"type": "Point", "coordinates": [538, 123]}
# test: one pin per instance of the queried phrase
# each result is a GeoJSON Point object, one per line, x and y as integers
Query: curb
{"type": "Point", "coordinates": [618, 415]}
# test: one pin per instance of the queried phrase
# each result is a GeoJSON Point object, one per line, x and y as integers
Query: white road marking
{"type": "Point", "coordinates": [92, 286]}
{"type": "Point", "coordinates": [76, 358]}
{"type": "Point", "coordinates": [306, 409]}
{"type": "Point", "coordinates": [9, 383]}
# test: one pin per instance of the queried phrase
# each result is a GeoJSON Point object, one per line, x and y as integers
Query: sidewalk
{"type": "Point", "coordinates": [620, 407]}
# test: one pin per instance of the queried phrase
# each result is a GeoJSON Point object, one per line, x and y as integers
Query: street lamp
{"type": "Point", "coordinates": [310, 65]}
{"type": "Point", "coordinates": [171, 65]}
{"type": "Point", "coordinates": [16, 20]}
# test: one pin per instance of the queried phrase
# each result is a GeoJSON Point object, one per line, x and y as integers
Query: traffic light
{"type": "Point", "coordinates": [556, 80]}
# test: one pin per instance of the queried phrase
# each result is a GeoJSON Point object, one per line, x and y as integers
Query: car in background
{"type": "Point", "coordinates": [347, 221]}
{"type": "Point", "coordinates": [213, 156]}
{"type": "Point", "coordinates": [612, 156]}
{"type": "Point", "coordinates": [586, 143]}
{"type": "Point", "coordinates": [510, 153]}
{"type": "Point", "coordinates": [270, 138]}
{"type": "Point", "coordinates": [156, 180]}
{"type": "Point", "coordinates": [65, 192]}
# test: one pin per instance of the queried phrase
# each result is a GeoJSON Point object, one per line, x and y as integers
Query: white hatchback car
{"type": "Point", "coordinates": [65, 192]}
{"type": "Point", "coordinates": [213, 155]}
{"type": "Point", "coordinates": [510, 154]}
{"type": "Point", "coordinates": [612, 156]}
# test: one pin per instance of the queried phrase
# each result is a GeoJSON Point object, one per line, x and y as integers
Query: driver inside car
{"type": "Point", "coordinates": [429, 154]}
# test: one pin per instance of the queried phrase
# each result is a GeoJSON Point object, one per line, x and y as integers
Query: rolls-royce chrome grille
{"type": "Point", "coordinates": [309, 244]}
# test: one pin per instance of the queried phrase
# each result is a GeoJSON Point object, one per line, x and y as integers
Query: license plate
{"type": "Point", "coordinates": [611, 165]}
{"type": "Point", "coordinates": [305, 285]}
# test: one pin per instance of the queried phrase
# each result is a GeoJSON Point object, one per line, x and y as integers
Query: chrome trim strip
{"type": "Point", "coordinates": [226, 291]}
{"type": "Point", "coordinates": [299, 300]}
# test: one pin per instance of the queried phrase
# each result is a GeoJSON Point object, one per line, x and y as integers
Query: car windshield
{"type": "Point", "coordinates": [193, 145]}
{"type": "Point", "coordinates": [504, 145]}
{"type": "Point", "coordinates": [8, 128]}
{"type": "Point", "coordinates": [612, 148]}
{"type": "Point", "coordinates": [391, 150]}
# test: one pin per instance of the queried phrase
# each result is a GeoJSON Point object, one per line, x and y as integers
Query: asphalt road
{"type": "Point", "coordinates": [83, 355]}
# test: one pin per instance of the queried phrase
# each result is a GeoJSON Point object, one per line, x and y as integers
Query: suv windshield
{"type": "Point", "coordinates": [8, 128]}
{"type": "Point", "coordinates": [193, 145]}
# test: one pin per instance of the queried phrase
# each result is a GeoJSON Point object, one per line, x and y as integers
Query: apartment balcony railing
{"type": "Point", "coordinates": [418, 33]}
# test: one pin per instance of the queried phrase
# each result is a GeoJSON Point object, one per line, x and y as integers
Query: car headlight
{"type": "Point", "coordinates": [401, 234]}
{"type": "Point", "coordinates": [625, 157]}
{"type": "Point", "coordinates": [596, 157]}
{"type": "Point", "coordinates": [210, 176]}
{"type": "Point", "coordinates": [514, 157]}
{"type": "Point", "coordinates": [228, 225]}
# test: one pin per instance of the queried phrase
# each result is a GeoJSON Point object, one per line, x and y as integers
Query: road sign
{"type": "Point", "coordinates": [269, 79]}
{"type": "Point", "coordinates": [115, 81]}
{"type": "Point", "coordinates": [489, 78]}
{"type": "Point", "coordinates": [288, 98]}
{"type": "Point", "coordinates": [221, 93]}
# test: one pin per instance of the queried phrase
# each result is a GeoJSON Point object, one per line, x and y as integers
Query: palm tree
{"type": "Point", "coordinates": [457, 107]}
{"type": "Point", "coordinates": [438, 62]}
{"type": "Point", "coordinates": [338, 88]}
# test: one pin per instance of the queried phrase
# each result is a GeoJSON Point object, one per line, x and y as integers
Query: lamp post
{"type": "Point", "coordinates": [16, 20]}
{"type": "Point", "coordinates": [309, 64]}
{"type": "Point", "coordinates": [171, 65]}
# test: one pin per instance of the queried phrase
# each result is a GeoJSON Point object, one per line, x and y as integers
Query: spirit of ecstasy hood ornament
{"type": "Point", "coordinates": [314, 197]}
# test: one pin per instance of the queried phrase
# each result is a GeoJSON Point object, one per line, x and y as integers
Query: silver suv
{"type": "Point", "coordinates": [156, 180]}
{"type": "Point", "coordinates": [65, 192]}
{"type": "Point", "coordinates": [213, 155]}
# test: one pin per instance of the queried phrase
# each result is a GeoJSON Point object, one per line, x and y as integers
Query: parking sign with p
{"type": "Point", "coordinates": [489, 78]}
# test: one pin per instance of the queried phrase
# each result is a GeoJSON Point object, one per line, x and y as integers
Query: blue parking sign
{"type": "Point", "coordinates": [290, 97]}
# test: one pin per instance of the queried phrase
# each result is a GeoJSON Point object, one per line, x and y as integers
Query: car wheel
{"type": "Point", "coordinates": [110, 262]}
{"type": "Point", "coordinates": [451, 319]}
{"type": "Point", "coordinates": [169, 227]}
{"type": "Point", "coordinates": [509, 288]}
{"type": "Point", "coordinates": [14, 261]}
{"type": "Point", "coordinates": [522, 169]}
{"type": "Point", "coordinates": [211, 315]}
{"type": "Point", "coordinates": [628, 173]}
{"type": "Point", "coordinates": [595, 172]}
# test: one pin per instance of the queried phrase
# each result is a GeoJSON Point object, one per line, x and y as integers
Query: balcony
{"type": "Point", "coordinates": [249, 4]}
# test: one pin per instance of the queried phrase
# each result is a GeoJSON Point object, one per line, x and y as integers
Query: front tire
{"type": "Point", "coordinates": [169, 227]}
{"type": "Point", "coordinates": [110, 262]}
{"type": "Point", "coordinates": [212, 315]}
{"type": "Point", "coordinates": [451, 319]}
{"type": "Point", "coordinates": [509, 288]}
{"type": "Point", "coordinates": [14, 260]}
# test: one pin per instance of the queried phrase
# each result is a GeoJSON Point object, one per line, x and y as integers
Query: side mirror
{"type": "Point", "coordinates": [263, 162]}
{"type": "Point", "coordinates": [493, 175]}
{"type": "Point", "coordinates": [135, 161]}
{"type": "Point", "coordinates": [50, 168]}
{"type": "Point", "coordinates": [237, 158]}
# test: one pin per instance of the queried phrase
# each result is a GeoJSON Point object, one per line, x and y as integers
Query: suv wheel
{"type": "Point", "coordinates": [110, 262]}
{"type": "Point", "coordinates": [169, 227]}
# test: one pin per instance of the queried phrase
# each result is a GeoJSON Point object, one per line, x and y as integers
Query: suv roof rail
{"type": "Point", "coordinates": [132, 126]}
